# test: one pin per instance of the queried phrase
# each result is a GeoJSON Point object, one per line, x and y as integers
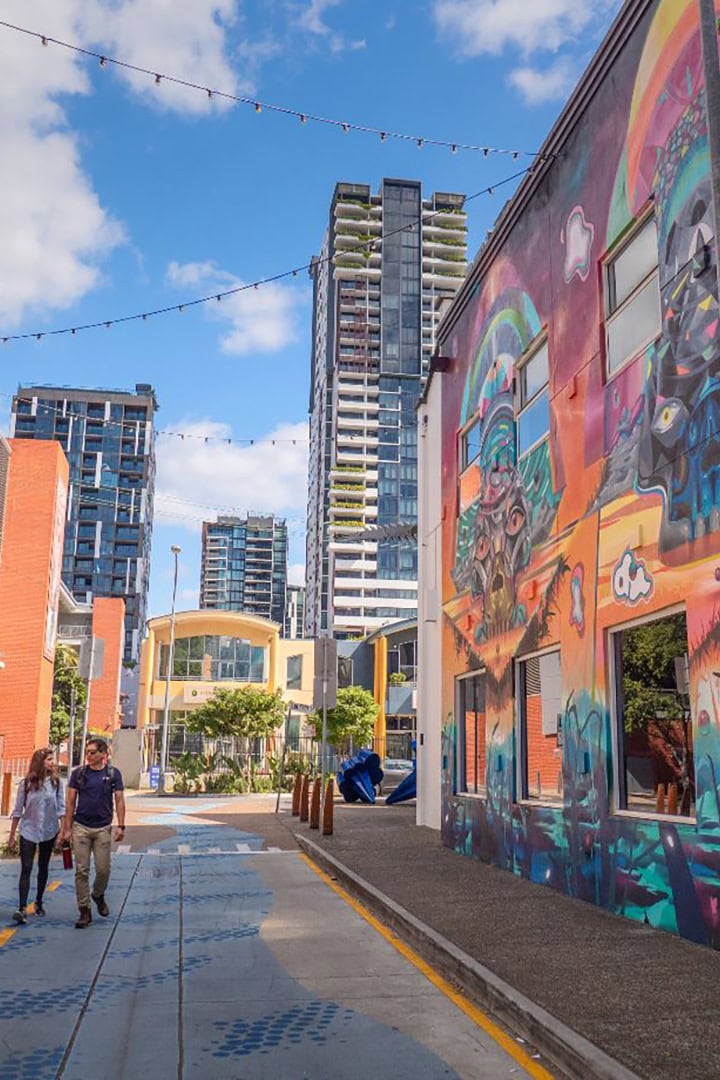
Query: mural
{"type": "Point", "coordinates": [614, 516]}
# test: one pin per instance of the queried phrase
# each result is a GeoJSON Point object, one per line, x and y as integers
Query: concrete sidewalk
{"type": "Point", "coordinates": [586, 987]}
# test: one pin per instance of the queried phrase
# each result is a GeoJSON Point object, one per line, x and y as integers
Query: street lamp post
{"type": "Point", "coordinates": [168, 675]}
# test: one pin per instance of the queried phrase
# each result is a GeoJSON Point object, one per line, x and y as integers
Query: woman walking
{"type": "Point", "coordinates": [39, 805]}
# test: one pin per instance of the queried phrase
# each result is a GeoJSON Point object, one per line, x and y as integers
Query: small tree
{"type": "Point", "coordinates": [353, 717]}
{"type": "Point", "coordinates": [244, 713]}
{"type": "Point", "coordinates": [66, 684]}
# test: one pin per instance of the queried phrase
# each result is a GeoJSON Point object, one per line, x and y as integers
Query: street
{"type": "Point", "coordinates": [221, 959]}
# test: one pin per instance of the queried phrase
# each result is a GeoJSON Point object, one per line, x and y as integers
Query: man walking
{"type": "Point", "coordinates": [92, 789]}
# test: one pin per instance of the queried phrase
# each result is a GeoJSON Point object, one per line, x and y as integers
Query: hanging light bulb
{"type": "Point", "coordinates": [102, 61]}
{"type": "Point", "coordinates": [258, 107]}
{"type": "Point", "coordinates": [157, 79]}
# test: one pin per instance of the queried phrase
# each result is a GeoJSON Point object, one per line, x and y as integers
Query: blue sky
{"type": "Point", "coordinates": [119, 195]}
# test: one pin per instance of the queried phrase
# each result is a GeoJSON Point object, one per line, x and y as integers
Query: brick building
{"type": "Point", "coordinates": [35, 608]}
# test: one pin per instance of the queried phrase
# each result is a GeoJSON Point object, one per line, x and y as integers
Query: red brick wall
{"type": "Point", "coordinates": [475, 756]}
{"type": "Point", "coordinates": [543, 756]}
{"type": "Point", "coordinates": [107, 625]}
{"type": "Point", "coordinates": [37, 471]}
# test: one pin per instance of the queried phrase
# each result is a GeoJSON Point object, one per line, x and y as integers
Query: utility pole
{"type": "Point", "coordinates": [71, 734]}
{"type": "Point", "coordinates": [168, 676]}
{"type": "Point", "coordinates": [87, 699]}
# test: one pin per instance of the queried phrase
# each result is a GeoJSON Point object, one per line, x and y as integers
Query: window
{"type": "Point", "coordinates": [344, 672]}
{"type": "Point", "coordinates": [633, 297]}
{"type": "Point", "coordinates": [470, 700]}
{"type": "Point", "coordinates": [539, 704]}
{"type": "Point", "coordinates": [533, 399]}
{"type": "Point", "coordinates": [470, 444]}
{"type": "Point", "coordinates": [294, 672]}
{"type": "Point", "coordinates": [215, 658]}
{"type": "Point", "coordinates": [654, 724]}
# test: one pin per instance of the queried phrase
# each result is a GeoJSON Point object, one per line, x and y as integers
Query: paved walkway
{"type": "Point", "coordinates": [226, 955]}
{"type": "Point", "coordinates": [644, 997]}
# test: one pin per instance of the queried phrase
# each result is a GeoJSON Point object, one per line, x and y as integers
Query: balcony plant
{"type": "Point", "coordinates": [397, 678]}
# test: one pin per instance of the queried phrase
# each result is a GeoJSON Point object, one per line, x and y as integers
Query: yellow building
{"type": "Point", "coordinates": [225, 649]}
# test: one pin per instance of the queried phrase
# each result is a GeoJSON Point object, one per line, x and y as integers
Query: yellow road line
{"type": "Point", "coordinates": [472, 1011]}
{"type": "Point", "coordinates": [5, 935]}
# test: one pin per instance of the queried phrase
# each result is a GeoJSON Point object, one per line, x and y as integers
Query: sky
{"type": "Point", "coordinates": [122, 194]}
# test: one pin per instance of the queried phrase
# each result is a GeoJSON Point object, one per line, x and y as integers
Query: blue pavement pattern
{"type": "Point", "coordinates": [225, 966]}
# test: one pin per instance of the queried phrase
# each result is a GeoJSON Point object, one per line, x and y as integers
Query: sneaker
{"type": "Point", "coordinates": [39, 909]}
{"type": "Point", "coordinates": [20, 916]}
{"type": "Point", "coordinates": [102, 907]}
{"type": "Point", "coordinates": [85, 918]}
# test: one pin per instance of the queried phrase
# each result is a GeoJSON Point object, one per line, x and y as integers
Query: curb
{"type": "Point", "coordinates": [576, 1056]}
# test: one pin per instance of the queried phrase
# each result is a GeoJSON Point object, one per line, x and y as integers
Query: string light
{"type": "Point", "coordinates": [368, 245]}
{"type": "Point", "coordinates": [284, 110]}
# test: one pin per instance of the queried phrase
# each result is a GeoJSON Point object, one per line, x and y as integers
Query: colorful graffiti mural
{"type": "Point", "coordinates": [614, 516]}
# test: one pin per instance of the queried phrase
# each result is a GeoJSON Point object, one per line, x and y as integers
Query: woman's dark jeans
{"type": "Point", "coordinates": [27, 857]}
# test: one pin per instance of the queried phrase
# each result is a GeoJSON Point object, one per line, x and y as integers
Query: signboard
{"type": "Point", "coordinates": [326, 671]}
{"type": "Point", "coordinates": [154, 776]}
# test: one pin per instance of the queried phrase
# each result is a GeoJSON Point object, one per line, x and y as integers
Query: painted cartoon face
{"type": "Point", "coordinates": [679, 450]}
{"type": "Point", "coordinates": [501, 549]}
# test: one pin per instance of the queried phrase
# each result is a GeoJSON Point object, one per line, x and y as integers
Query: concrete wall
{"type": "Point", "coordinates": [429, 698]}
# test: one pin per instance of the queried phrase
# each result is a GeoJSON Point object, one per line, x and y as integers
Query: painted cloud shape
{"type": "Point", "coordinates": [578, 236]}
{"type": "Point", "coordinates": [631, 580]}
{"type": "Point", "coordinates": [577, 611]}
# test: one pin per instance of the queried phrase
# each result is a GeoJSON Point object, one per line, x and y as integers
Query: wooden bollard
{"type": "Point", "coordinates": [297, 787]}
{"type": "Point", "coordinates": [304, 798]}
{"type": "Point", "coordinates": [6, 793]}
{"type": "Point", "coordinates": [315, 804]}
{"type": "Point", "coordinates": [672, 803]}
{"type": "Point", "coordinates": [660, 799]}
{"type": "Point", "coordinates": [327, 829]}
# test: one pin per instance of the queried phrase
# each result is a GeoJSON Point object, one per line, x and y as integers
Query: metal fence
{"type": "Point", "coordinates": [261, 757]}
{"type": "Point", "coordinates": [17, 767]}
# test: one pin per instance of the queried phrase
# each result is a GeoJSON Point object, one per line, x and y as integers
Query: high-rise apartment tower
{"type": "Point", "coordinates": [387, 263]}
{"type": "Point", "coordinates": [244, 565]}
{"type": "Point", "coordinates": [295, 612]}
{"type": "Point", "coordinates": [108, 437]}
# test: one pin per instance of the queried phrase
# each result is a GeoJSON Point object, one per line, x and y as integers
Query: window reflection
{"type": "Point", "coordinates": [215, 658]}
{"type": "Point", "coordinates": [655, 736]}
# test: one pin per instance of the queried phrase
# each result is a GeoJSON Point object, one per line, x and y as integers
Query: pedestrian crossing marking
{"type": "Point", "coordinates": [123, 849]}
{"type": "Point", "coordinates": [183, 849]}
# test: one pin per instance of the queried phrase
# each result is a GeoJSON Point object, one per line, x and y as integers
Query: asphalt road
{"type": "Point", "coordinates": [225, 955]}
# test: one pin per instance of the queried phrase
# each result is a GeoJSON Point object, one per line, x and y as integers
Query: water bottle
{"type": "Point", "coordinates": [67, 855]}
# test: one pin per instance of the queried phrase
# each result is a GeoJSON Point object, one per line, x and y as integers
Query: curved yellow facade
{"type": "Point", "coordinates": [186, 694]}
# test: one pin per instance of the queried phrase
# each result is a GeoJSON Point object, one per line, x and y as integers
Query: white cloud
{"type": "Point", "coordinates": [492, 27]}
{"type": "Point", "coordinates": [55, 231]}
{"type": "Point", "coordinates": [193, 476]}
{"type": "Point", "coordinates": [489, 26]}
{"type": "Point", "coordinates": [261, 320]}
{"type": "Point", "coordinates": [189, 38]}
{"type": "Point", "coordinates": [313, 22]}
{"type": "Point", "coordinates": [537, 86]}
{"type": "Point", "coordinates": [296, 574]}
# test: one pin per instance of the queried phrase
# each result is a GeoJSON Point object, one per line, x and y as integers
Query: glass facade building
{"type": "Point", "coordinates": [244, 565]}
{"type": "Point", "coordinates": [387, 264]}
{"type": "Point", "coordinates": [108, 437]}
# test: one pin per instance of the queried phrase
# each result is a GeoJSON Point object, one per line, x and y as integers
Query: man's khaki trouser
{"type": "Point", "coordinates": [86, 842]}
